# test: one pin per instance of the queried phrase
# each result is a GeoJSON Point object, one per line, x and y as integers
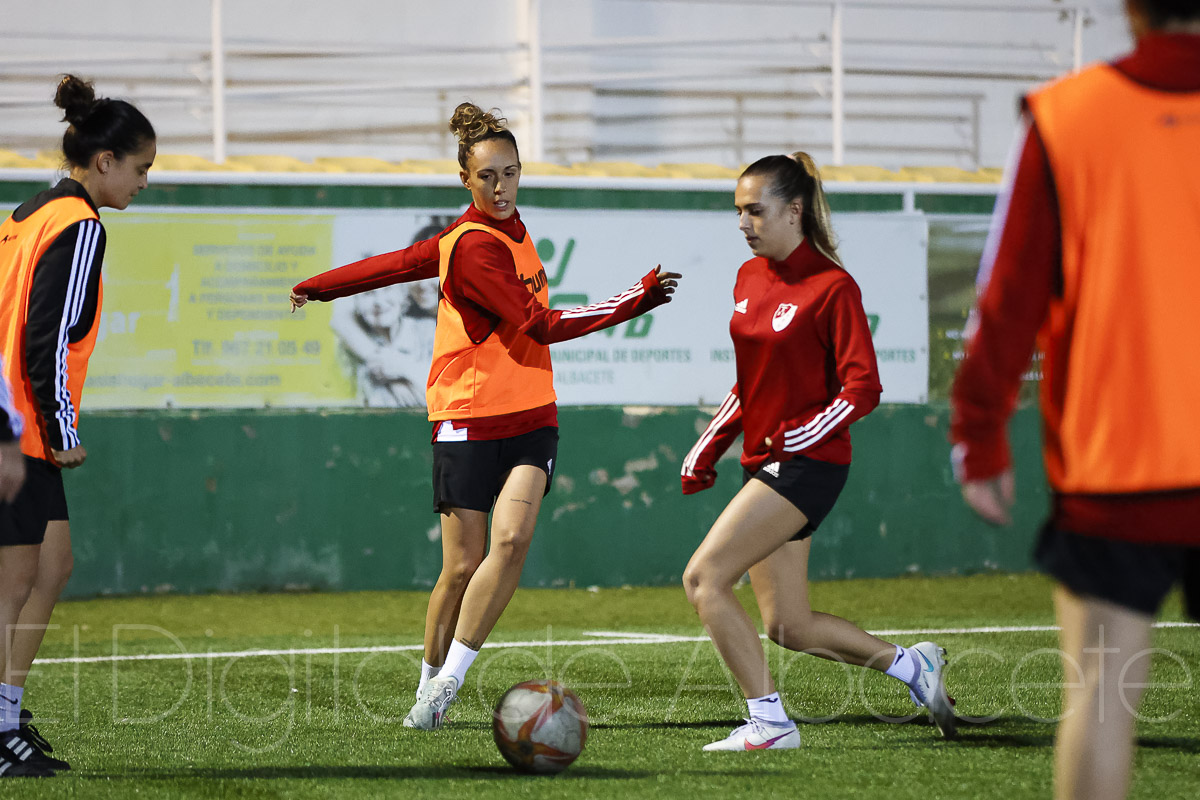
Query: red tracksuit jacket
{"type": "Point", "coordinates": [805, 367]}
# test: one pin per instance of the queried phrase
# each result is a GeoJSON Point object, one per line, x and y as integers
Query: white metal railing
{"type": "Point", "coordinates": [546, 72]}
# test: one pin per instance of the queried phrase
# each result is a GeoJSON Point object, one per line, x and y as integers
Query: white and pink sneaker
{"type": "Point", "coordinates": [759, 735]}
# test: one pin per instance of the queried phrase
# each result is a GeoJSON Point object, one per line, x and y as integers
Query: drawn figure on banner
{"type": "Point", "coordinates": [387, 336]}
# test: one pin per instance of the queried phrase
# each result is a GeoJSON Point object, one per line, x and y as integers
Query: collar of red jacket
{"type": "Point", "coordinates": [1165, 61]}
{"type": "Point", "coordinates": [512, 227]}
{"type": "Point", "coordinates": [804, 260]}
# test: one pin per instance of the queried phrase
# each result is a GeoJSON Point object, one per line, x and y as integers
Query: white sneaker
{"type": "Point", "coordinates": [759, 735]}
{"type": "Point", "coordinates": [429, 712]}
{"type": "Point", "coordinates": [928, 688]}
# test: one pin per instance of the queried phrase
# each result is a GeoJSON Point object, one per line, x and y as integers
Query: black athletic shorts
{"type": "Point", "coordinates": [810, 485]}
{"type": "Point", "coordinates": [41, 500]}
{"type": "Point", "coordinates": [1135, 575]}
{"type": "Point", "coordinates": [471, 474]}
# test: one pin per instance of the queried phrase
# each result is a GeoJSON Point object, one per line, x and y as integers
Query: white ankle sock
{"type": "Point", "coordinates": [903, 669]}
{"type": "Point", "coordinates": [768, 709]}
{"type": "Point", "coordinates": [427, 672]}
{"type": "Point", "coordinates": [10, 707]}
{"type": "Point", "coordinates": [458, 660]}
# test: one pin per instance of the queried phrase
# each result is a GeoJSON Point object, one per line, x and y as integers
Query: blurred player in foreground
{"type": "Point", "coordinates": [1093, 256]}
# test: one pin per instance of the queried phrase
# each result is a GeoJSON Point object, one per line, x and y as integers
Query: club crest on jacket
{"type": "Point", "coordinates": [783, 316]}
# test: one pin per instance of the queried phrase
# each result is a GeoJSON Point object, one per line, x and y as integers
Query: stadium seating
{"type": "Point", "coordinates": [857, 173]}
{"type": "Point", "coordinates": [261, 163]}
{"type": "Point", "coordinates": [188, 163]}
{"type": "Point", "coordinates": [355, 164]}
{"type": "Point", "coordinates": [944, 175]}
{"type": "Point", "coordinates": [545, 168]}
{"type": "Point", "coordinates": [618, 169]}
{"type": "Point", "coordinates": [441, 166]}
{"type": "Point", "coordinates": [702, 171]}
{"type": "Point", "coordinates": [183, 162]}
{"type": "Point", "coordinates": [11, 160]}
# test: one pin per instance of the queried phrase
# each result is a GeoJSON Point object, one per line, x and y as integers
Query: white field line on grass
{"type": "Point", "coordinates": [598, 637]}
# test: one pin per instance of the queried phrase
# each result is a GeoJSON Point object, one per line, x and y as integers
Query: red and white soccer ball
{"type": "Point", "coordinates": [540, 726]}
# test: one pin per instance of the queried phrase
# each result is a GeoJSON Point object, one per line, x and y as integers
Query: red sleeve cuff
{"type": "Point", "coordinates": [307, 288]}
{"type": "Point", "coordinates": [655, 289]}
{"type": "Point", "coordinates": [701, 480]}
{"type": "Point", "coordinates": [979, 461]}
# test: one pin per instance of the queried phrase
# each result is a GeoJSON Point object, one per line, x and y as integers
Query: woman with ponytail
{"type": "Point", "coordinates": [51, 250]}
{"type": "Point", "coordinates": [490, 393]}
{"type": "Point", "coordinates": [805, 371]}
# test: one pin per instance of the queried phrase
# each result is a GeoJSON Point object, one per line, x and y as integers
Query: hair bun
{"type": "Point", "coordinates": [805, 160]}
{"type": "Point", "coordinates": [471, 122]}
{"type": "Point", "coordinates": [76, 98]}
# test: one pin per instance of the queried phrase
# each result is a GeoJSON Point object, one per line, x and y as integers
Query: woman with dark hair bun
{"type": "Point", "coordinates": [805, 371]}
{"type": "Point", "coordinates": [490, 393]}
{"type": "Point", "coordinates": [51, 251]}
{"type": "Point", "coordinates": [100, 126]}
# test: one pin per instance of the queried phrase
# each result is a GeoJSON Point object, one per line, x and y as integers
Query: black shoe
{"type": "Point", "coordinates": [19, 759]}
{"type": "Point", "coordinates": [38, 742]}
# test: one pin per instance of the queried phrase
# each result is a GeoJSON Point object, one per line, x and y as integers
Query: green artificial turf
{"type": "Point", "coordinates": [327, 724]}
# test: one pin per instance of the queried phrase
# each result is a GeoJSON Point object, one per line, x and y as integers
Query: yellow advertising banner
{"type": "Point", "coordinates": [196, 314]}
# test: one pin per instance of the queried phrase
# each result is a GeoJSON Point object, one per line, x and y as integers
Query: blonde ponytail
{"type": "Point", "coordinates": [820, 227]}
{"type": "Point", "coordinates": [796, 177]}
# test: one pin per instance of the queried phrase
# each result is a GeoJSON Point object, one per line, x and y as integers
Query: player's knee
{"type": "Point", "coordinates": [511, 543]}
{"type": "Point", "coordinates": [789, 630]}
{"type": "Point", "coordinates": [697, 582]}
{"type": "Point", "coordinates": [782, 634]}
{"type": "Point", "coordinates": [458, 573]}
{"type": "Point", "coordinates": [774, 628]}
{"type": "Point", "coordinates": [55, 575]}
{"type": "Point", "coordinates": [16, 584]}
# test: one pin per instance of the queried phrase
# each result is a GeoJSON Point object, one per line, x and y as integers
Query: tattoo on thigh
{"type": "Point", "coordinates": [519, 500]}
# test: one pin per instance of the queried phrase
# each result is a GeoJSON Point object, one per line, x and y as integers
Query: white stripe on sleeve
{"type": "Point", "coordinates": [605, 307]}
{"type": "Point", "coordinates": [818, 427]}
{"type": "Point", "coordinates": [728, 408]}
{"type": "Point", "coordinates": [81, 268]}
{"type": "Point", "coordinates": [1000, 213]}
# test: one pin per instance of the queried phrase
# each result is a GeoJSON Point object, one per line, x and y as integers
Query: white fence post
{"type": "Point", "coordinates": [838, 89]}
{"type": "Point", "coordinates": [537, 117]}
{"type": "Point", "coordinates": [217, 56]}
{"type": "Point", "coordinates": [1077, 39]}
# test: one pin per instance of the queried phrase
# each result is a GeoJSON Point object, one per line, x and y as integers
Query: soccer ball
{"type": "Point", "coordinates": [540, 726]}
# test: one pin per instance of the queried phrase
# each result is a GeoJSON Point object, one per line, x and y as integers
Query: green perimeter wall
{"type": "Point", "coordinates": [206, 501]}
{"type": "Point", "coordinates": [271, 500]}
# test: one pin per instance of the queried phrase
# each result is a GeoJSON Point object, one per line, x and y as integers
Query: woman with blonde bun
{"type": "Point", "coordinates": [490, 393]}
